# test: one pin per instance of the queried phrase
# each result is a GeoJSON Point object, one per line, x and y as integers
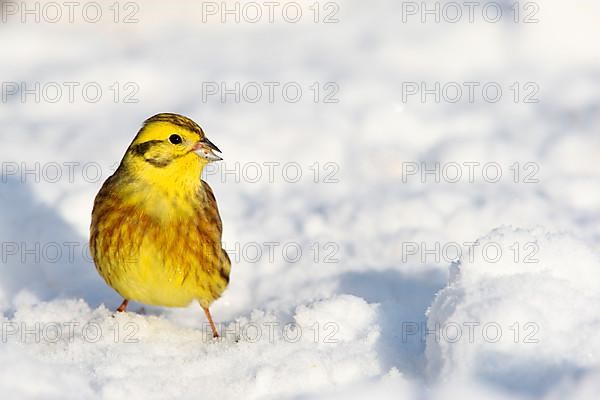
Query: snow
{"type": "Point", "coordinates": [129, 352]}
{"type": "Point", "coordinates": [526, 314]}
{"type": "Point", "coordinates": [373, 303]}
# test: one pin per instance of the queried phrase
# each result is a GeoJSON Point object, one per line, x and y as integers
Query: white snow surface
{"type": "Point", "coordinates": [380, 322]}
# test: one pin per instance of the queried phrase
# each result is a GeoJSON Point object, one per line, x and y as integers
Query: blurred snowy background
{"type": "Point", "coordinates": [374, 306]}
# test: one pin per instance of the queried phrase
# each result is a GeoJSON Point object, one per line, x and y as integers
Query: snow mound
{"type": "Point", "coordinates": [97, 354]}
{"type": "Point", "coordinates": [526, 321]}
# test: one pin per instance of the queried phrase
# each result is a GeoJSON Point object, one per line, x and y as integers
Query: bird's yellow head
{"type": "Point", "coordinates": [169, 149]}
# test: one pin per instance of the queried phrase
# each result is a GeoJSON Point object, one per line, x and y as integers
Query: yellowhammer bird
{"type": "Point", "coordinates": [156, 231]}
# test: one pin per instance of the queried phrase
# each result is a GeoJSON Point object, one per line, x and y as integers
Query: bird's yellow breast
{"type": "Point", "coordinates": [159, 243]}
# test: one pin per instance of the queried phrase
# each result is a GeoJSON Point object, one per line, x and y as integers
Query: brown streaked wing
{"type": "Point", "coordinates": [210, 209]}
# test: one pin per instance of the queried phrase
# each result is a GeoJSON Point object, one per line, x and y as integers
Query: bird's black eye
{"type": "Point", "coordinates": [175, 139]}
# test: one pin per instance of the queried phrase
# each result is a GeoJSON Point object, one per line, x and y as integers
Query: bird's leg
{"type": "Point", "coordinates": [210, 321]}
{"type": "Point", "coordinates": [123, 306]}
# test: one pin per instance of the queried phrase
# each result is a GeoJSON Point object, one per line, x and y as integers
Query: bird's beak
{"type": "Point", "coordinates": [205, 149]}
